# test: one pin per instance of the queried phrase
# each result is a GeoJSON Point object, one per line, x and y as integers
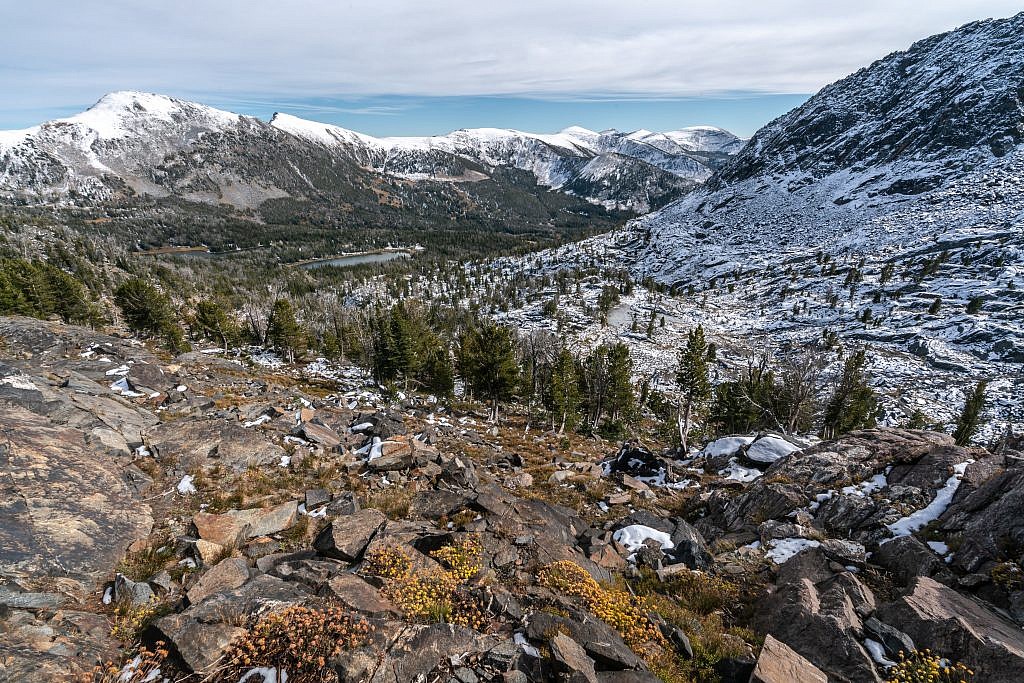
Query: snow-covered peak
{"type": "Point", "coordinates": [315, 131]}
{"type": "Point", "coordinates": [127, 135]}
{"type": "Point", "coordinates": [123, 113]}
{"type": "Point", "coordinates": [706, 139]}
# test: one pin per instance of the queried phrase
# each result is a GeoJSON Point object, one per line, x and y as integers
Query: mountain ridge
{"type": "Point", "coordinates": [122, 141]}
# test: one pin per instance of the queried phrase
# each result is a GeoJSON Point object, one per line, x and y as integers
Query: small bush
{"type": "Point", "coordinates": [299, 640]}
{"type": "Point", "coordinates": [143, 565]}
{"type": "Point", "coordinates": [1008, 576]}
{"type": "Point", "coordinates": [621, 610]}
{"type": "Point", "coordinates": [696, 591]}
{"type": "Point", "coordinates": [128, 620]}
{"type": "Point", "coordinates": [436, 595]}
{"type": "Point", "coordinates": [387, 563]}
{"type": "Point", "coordinates": [921, 666]}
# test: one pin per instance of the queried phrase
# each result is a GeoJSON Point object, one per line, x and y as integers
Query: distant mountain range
{"type": "Point", "coordinates": [132, 144]}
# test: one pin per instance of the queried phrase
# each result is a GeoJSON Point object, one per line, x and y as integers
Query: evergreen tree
{"type": "Point", "coordinates": [970, 416]}
{"type": "Point", "coordinates": [620, 398]}
{"type": "Point", "coordinates": [148, 311]}
{"type": "Point", "coordinates": [213, 322]}
{"type": "Point", "coordinates": [852, 404]}
{"type": "Point", "coordinates": [488, 357]}
{"type": "Point", "coordinates": [565, 391]}
{"type": "Point", "coordinates": [40, 289]}
{"type": "Point", "coordinates": [694, 383]}
{"type": "Point", "coordinates": [438, 375]}
{"type": "Point", "coordinates": [283, 331]}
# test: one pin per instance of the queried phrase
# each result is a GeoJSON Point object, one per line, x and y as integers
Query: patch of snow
{"type": "Point", "coordinates": [727, 445]}
{"type": "Point", "coordinates": [258, 421]}
{"type": "Point", "coordinates": [521, 641]}
{"type": "Point", "coordinates": [740, 473]}
{"type": "Point", "coordinates": [866, 488]}
{"type": "Point", "coordinates": [877, 652]}
{"type": "Point", "coordinates": [921, 518]}
{"type": "Point", "coordinates": [19, 382]}
{"type": "Point", "coordinates": [122, 387]}
{"type": "Point", "coordinates": [632, 537]}
{"type": "Point", "coordinates": [187, 487]}
{"type": "Point", "coordinates": [782, 550]}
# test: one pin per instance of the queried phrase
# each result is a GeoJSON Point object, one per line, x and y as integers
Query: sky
{"type": "Point", "coordinates": [404, 67]}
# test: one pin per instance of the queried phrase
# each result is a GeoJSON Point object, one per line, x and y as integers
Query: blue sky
{"type": "Point", "coordinates": [394, 67]}
{"type": "Point", "coordinates": [403, 115]}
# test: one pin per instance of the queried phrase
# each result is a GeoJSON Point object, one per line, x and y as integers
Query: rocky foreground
{"type": "Point", "coordinates": [189, 500]}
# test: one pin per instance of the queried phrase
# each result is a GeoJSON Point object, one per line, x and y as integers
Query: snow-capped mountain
{"type": "Point", "coordinates": [131, 144]}
{"type": "Point", "coordinates": [600, 166]}
{"type": "Point", "coordinates": [121, 138]}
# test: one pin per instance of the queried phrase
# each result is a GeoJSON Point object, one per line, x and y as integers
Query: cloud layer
{"type": "Point", "coordinates": [66, 53]}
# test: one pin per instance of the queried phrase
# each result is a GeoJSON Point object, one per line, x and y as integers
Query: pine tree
{"type": "Point", "coordinates": [693, 381]}
{"type": "Point", "coordinates": [970, 416]}
{"type": "Point", "coordinates": [488, 358]}
{"type": "Point", "coordinates": [283, 331]}
{"type": "Point", "coordinates": [852, 404]}
{"type": "Point", "coordinates": [148, 311]}
{"type": "Point", "coordinates": [438, 375]}
{"type": "Point", "coordinates": [213, 321]}
{"type": "Point", "coordinates": [565, 391]}
{"type": "Point", "coordinates": [620, 398]}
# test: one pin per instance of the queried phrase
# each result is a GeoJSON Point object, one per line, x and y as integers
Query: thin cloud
{"type": "Point", "coordinates": [57, 53]}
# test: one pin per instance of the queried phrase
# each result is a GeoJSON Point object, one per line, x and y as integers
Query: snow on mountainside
{"type": "Point", "coordinates": [122, 136]}
{"type": "Point", "coordinates": [888, 209]}
{"type": "Point", "coordinates": [133, 143]}
{"type": "Point", "coordinates": [646, 168]}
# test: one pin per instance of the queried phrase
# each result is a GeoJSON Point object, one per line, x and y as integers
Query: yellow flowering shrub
{"type": "Point", "coordinates": [438, 595]}
{"type": "Point", "coordinates": [462, 560]}
{"type": "Point", "coordinates": [387, 563]}
{"type": "Point", "coordinates": [129, 620]}
{"type": "Point", "coordinates": [921, 666]}
{"type": "Point", "coordinates": [300, 640]}
{"type": "Point", "coordinates": [620, 609]}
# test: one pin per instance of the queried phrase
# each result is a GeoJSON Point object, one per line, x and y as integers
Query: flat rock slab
{"type": "Point", "coordinates": [234, 527]}
{"type": "Point", "coordinates": [227, 575]}
{"type": "Point", "coordinates": [779, 663]}
{"type": "Point", "coordinates": [359, 596]}
{"type": "Point", "coordinates": [65, 508]}
{"type": "Point", "coordinates": [209, 442]}
{"type": "Point", "coordinates": [345, 538]}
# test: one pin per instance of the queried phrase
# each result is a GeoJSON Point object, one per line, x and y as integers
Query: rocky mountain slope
{"type": "Point", "coordinates": [133, 143]}
{"type": "Point", "coordinates": [200, 499]}
{"type": "Point", "coordinates": [888, 209]}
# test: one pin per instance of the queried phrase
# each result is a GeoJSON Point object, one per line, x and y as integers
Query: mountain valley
{"type": "Point", "coordinates": [601, 406]}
